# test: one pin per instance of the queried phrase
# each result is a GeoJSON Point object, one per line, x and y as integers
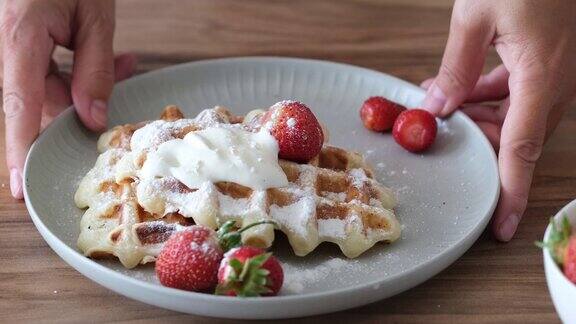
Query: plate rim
{"type": "Point", "coordinates": [451, 254]}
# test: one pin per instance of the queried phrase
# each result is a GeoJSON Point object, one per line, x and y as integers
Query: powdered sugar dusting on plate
{"type": "Point", "coordinates": [444, 127]}
{"type": "Point", "coordinates": [296, 278]}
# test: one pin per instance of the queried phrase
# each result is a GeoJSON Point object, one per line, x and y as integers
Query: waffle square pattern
{"type": "Point", "coordinates": [332, 198]}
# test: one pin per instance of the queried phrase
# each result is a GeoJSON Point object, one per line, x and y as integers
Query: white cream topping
{"type": "Point", "coordinates": [217, 154]}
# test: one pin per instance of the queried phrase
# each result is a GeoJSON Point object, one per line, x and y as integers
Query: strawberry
{"type": "Point", "coordinates": [562, 246]}
{"type": "Point", "coordinates": [415, 130]}
{"type": "Point", "coordinates": [570, 259]}
{"type": "Point", "coordinates": [296, 129]}
{"type": "Point", "coordinates": [379, 114]}
{"type": "Point", "coordinates": [190, 259]}
{"type": "Point", "coordinates": [248, 272]}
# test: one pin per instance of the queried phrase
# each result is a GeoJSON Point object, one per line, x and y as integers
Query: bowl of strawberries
{"type": "Point", "coordinates": [560, 261]}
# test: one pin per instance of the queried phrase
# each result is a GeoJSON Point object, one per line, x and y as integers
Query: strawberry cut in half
{"type": "Point", "coordinates": [249, 272]}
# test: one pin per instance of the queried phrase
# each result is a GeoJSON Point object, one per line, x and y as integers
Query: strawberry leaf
{"type": "Point", "coordinates": [558, 238]}
{"type": "Point", "coordinates": [246, 279]}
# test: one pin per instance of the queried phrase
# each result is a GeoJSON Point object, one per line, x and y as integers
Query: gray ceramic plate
{"type": "Point", "coordinates": [446, 196]}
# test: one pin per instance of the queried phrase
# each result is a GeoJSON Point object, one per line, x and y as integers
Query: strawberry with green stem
{"type": "Point", "coordinates": [249, 272]}
{"type": "Point", "coordinates": [190, 259]}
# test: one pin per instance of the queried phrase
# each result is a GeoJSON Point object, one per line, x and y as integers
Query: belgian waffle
{"type": "Point", "coordinates": [333, 198]}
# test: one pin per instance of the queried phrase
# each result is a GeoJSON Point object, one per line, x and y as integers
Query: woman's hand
{"type": "Point", "coordinates": [536, 41]}
{"type": "Point", "coordinates": [34, 91]}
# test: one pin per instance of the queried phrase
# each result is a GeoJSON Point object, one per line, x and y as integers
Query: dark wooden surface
{"type": "Point", "coordinates": [492, 282]}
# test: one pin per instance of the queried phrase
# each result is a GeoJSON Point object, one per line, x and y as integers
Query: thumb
{"type": "Point", "coordinates": [470, 36]}
{"type": "Point", "coordinates": [93, 72]}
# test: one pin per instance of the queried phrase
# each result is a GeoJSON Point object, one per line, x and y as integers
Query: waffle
{"type": "Point", "coordinates": [333, 198]}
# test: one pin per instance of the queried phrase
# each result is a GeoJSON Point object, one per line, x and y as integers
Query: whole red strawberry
{"type": "Point", "coordinates": [415, 130]}
{"type": "Point", "coordinates": [570, 259]}
{"type": "Point", "coordinates": [190, 260]}
{"type": "Point", "coordinates": [248, 272]}
{"type": "Point", "coordinates": [379, 114]}
{"type": "Point", "coordinates": [296, 129]}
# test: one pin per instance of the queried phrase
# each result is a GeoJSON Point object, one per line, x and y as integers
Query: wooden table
{"type": "Point", "coordinates": [492, 282]}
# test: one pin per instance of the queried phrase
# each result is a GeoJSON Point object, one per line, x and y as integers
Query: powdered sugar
{"type": "Point", "coordinates": [444, 127]}
{"type": "Point", "coordinates": [337, 196]}
{"type": "Point", "coordinates": [358, 177]}
{"type": "Point", "coordinates": [156, 133]}
{"type": "Point", "coordinates": [295, 217]}
{"type": "Point", "coordinates": [89, 190]}
{"type": "Point", "coordinates": [291, 122]}
{"type": "Point", "coordinates": [165, 195]}
{"type": "Point", "coordinates": [376, 203]}
{"type": "Point", "coordinates": [232, 207]}
{"type": "Point", "coordinates": [356, 222]}
{"type": "Point", "coordinates": [205, 247]}
{"type": "Point", "coordinates": [281, 104]}
{"type": "Point", "coordinates": [160, 131]}
{"type": "Point", "coordinates": [276, 109]}
{"type": "Point", "coordinates": [211, 117]}
{"type": "Point", "coordinates": [332, 228]}
{"type": "Point", "coordinates": [296, 279]}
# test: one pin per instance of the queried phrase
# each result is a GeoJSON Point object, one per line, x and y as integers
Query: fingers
{"type": "Point", "coordinates": [26, 58]}
{"type": "Point", "coordinates": [125, 66]}
{"type": "Point", "coordinates": [489, 118]}
{"type": "Point", "coordinates": [488, 113]}
{"type": "Point", "coordinates": [427, 83]}
{"type": "Point", "coordinates": [522, 135]}
{"type": "Point", "coordinates": [93, 72]}
{"type": "Point", "coordinates": [469, 39]}
{"type": "Point", "coordinates": [492, 133]}
{"type": "Point", "coordinates": [57, 98]}
{"type": "Point", "coordinates": [492, 86]}
{"type": "Point", "coordinates": [57, 92]}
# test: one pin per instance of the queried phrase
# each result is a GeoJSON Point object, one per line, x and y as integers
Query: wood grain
{"type": "Point", "coordinates": [492, 282]}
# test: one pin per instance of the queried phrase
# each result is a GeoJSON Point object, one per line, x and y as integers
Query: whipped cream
{"type": "Point", "coordinates": [217, 154]}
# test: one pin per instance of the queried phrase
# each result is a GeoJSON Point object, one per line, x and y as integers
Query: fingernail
{"type": "Point", "coordinates": [508, 227]}
{"type": "Point", "coordinates": [99, 112]}
{"type": "Point", "coordinates": [16, 183]}
{"type": "Point", "coordinates": [435, 100]}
